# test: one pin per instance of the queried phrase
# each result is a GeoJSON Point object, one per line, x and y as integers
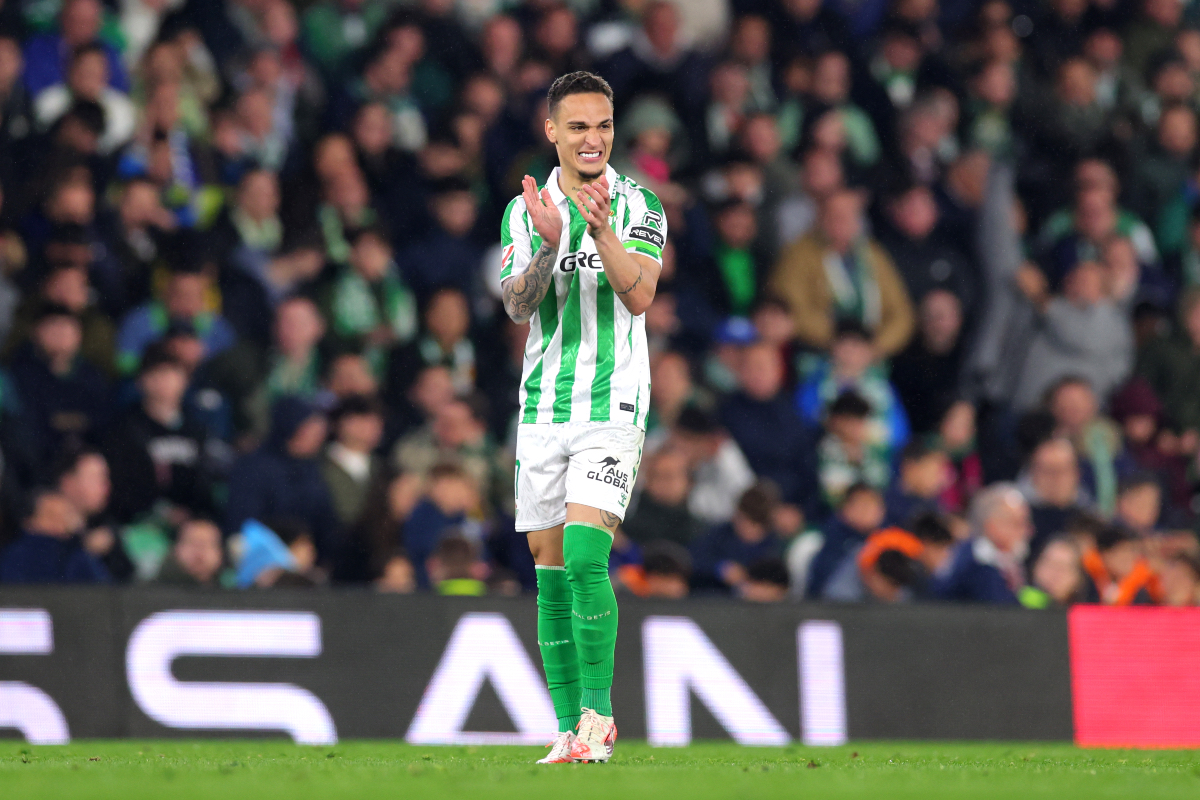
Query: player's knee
{"type": "Point", "coordinates": [585, 566]}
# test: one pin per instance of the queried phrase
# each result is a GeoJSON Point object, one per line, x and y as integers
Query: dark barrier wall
{"type": "Point", "coordinates": [318, 666]}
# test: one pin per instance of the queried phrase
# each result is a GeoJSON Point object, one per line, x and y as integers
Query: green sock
{"type": "Point", "coordinates": [556, 639]}
{"type": "Point", "coordinates": [594, 610]}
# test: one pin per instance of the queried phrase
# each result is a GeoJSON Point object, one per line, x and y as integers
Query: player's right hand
{"type": "Point", "coordinates": [547, 220]}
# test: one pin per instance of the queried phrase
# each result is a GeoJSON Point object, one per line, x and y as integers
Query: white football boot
{"type": "Point", "coordinates": [560, 750]}
{"type": "Point", "coordinates": [596, 738]}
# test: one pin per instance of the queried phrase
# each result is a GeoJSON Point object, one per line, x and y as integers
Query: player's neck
{"type": "Point", "coordinates": [570, 181]}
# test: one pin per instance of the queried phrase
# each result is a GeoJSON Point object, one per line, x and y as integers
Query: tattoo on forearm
{"type": "Point", "coordinates": [610, 520]}
{"type": "Point", "coordinates": [523, 293]}
{"type": "Point", "coordinates": [633, 285]}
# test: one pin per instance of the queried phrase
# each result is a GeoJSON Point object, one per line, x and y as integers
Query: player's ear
{"type": "Point", "coordinates": [550, 133]}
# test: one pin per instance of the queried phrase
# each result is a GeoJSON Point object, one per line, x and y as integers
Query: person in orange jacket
{"type": "Point", "coordinates": [1119, 569]}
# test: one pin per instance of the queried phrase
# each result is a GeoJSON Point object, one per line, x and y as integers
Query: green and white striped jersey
{"type": "Point", "coordinates": [586, 356]}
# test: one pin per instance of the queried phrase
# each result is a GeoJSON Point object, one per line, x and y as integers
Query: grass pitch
{"type": "Point", "coordinates": [265, 769]}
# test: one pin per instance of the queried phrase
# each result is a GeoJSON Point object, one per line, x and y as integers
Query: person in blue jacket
{"type": "Point", "coordinates": [50, 550]}
{"type": "Point", "coordinates": [283, 477]}
{"type": "Point", "coordinates": [990, 566]}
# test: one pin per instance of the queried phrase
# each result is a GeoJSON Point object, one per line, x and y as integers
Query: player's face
{"type": "Point", "coordinates": [582, 132]}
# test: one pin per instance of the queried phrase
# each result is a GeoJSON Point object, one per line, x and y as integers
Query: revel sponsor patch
{"type": "Point", "coordinates": [647, 235]}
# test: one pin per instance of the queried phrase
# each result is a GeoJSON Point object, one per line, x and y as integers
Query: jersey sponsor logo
{"type": "Point", "coordinates": [627, 407]}
{"type": "Point", "coordinates": [653, 219]}
{"type": "Point", "coordinates": [647, 235]}
{"type": "Point", "coordinates": [608, 471]}
{"type": "Point", "coordinates": [507, 257]}
{"type": "Point", "coordinates": [572, 261]}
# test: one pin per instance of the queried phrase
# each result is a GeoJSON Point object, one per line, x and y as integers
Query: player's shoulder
{"type": "Point", "coordinates": [635, 191]}
{"type": "Point", "coordinates": [517, 204]}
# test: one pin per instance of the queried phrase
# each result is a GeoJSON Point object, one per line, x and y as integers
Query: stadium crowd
{"type": "Point", "coordinates": [928, 326]}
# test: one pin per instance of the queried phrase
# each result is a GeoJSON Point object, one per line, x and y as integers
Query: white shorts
{"type": "Point", "coordinates": [590, 463]}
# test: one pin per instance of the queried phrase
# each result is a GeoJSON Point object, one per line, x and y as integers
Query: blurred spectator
{"type": "Point", "coordinates": [1119, 570]}
{"type": "Point", "coordinates": [457, 433]}
{"type": "Point", "coordinates": [956, 437]}
{"type": "Point", "coordinates": [159, 454]}
{"type": "Point", "coordinates": [445, 341]}
{"type": "Point", "coordinates": [447, 255]}
{"type": "Point", "coordinates": [1056, 578]}
{"type": "Point", "coordinates": [1148, 445]}
{"type": "Point", "coordinates": [733, 277]}
{"type": "Point", "coordinates": [79, 25]}
{"type": "Point", "coordinates": [1083, 332]}
{"type": "Point", "coordinates": [835, 272]}
{"type": "Point", "coordinates": [283, 476]}
{"type": "Point", "coordinates": [668, 568]}
{"type": "Point", "coordinates": [254, 377]}
{"type": "Point", "coordinates": [886, 568]}
{"type": "Point", "coordinates": [766, 581]}
{"type": "Point", "coordinates": [920, 482]}
{"type": "Point", "coordinates": [349, 464]}
{"type": "Point", "coordinates": [398, 577]}
{"type": "Point", "coordinates": [719, 470]}
{"type": "Point", "coordinates": [659, 61]}
{"type": "Point", "coordinates": [87, 79]}
{"type": "Point", "coordinates": [82, 476]}
{"type": "Point", "coordinates": [924, 258]}
{"type": "Point", "coordinates": [832, 85]}
{"type": "Point", "coordinates": [62, 398]}
{"type": "Point", "coordinates": [49, 549]}
{"type": "Point", "coordinates": [671, 375]}
{"type": "Point", "coordinates": [371, 309]}
{"type": "Point", "coordinates": [449, 496]}
{"type": "Point", "coordinates": [853, 366]}
{"type": "Point", "coordinates": [821, 176]}
{"type": "Point", "coordinates": [335, 29]}
{"type": "Point", "coordinates": [184, 301]}
{"type": "Point", "coordinates": [454, 568]}
{"type": "Point", "coordinates": [722, 556]}
{"type": "Point", "coordinates": [257, 270]}
{"type": "Point", "coordinates": [65, 284]}
{"type": "Point", "coordinates": [1139, 504]}
{"type": "Point", "coordinates": [989, 567]}
{"type": "Point", "coordinates": [1097, 440]}
{"type": "Point", "coordinates": [860, 514]}
{"type": "Point", "coordinates": [846, 455]}
{"type": "Point", "coordinates": [928, 374]}
{"type": "Point", "coordinates": [138, 239]}
{"type": "Point", "coordinates": [196, 557]}
{"type": "Point", "coordinates": [1172, 367]}
{"type": "Point", "coordinates": [1180, 579]}
{"type": "Point", "coordinates": [1053, 486]}
{"type": "Point", "coordinates": [661, 509]}
{"type": "Point", "coordinates": [762, 420]}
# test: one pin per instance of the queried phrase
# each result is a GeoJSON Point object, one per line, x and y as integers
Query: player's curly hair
{"type": "Point", "coordinates": [580, 82]}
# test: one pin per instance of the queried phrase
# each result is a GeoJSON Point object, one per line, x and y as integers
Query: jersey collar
{"type": "Point", "coordinates": [556, 193]}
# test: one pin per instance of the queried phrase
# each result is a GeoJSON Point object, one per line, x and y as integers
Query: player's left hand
{"type": "Point", "coordinates": [594, 204]}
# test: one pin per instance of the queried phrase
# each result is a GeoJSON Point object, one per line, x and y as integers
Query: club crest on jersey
{"type": "Point", "coordinates": [608, 471]}
{"type": "Point", "coordinates": [572, 261]}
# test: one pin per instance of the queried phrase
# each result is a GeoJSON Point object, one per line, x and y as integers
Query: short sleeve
{"type": "Point", "coordinates": [646, 231]}
{"type": "Point", "coordinates": [515, 244]}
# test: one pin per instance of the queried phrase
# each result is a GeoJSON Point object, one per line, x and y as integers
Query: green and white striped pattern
{"type": "Point", "coordinates": [586, 354]}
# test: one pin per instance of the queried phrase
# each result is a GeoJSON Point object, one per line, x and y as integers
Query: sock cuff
{"type": "Point", "coordinates": [553, 583]}
{"type": "Point", "coordinates": [583, 526]}
{"type": "Point", "coordinates": [596, 674]}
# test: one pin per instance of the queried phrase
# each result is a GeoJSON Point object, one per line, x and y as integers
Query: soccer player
{"type": "Point", "coordinates": [581, 258]}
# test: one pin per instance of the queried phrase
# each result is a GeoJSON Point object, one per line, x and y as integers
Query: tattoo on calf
{"type": "Point", "coordinates": [609, 519]}
{"type": "Point", "coordinates": [523, 293]}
